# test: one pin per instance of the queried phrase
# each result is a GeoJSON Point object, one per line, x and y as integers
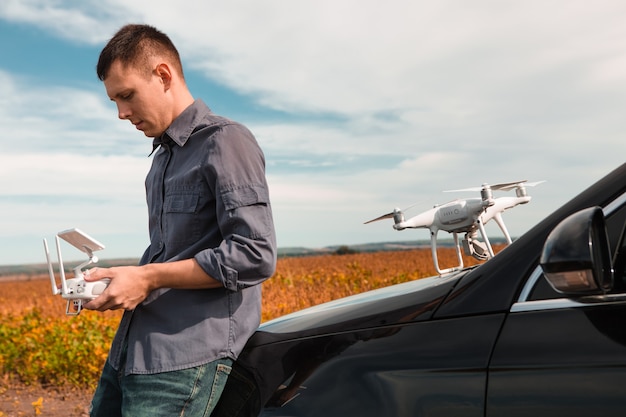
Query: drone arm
{"type": "Point", "coordinates": [424, 219]}
{"type": "Point", "coordinates": [502, 204]}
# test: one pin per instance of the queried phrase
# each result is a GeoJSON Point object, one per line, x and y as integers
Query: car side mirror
{"type": "Point", "coordinates": [576, 257]}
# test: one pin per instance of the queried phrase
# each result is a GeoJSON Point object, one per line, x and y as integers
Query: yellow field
{"type": "Point", "coordinates": [40, 344]}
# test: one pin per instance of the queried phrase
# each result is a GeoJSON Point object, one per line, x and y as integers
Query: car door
{"type": "Point", "coordinates": [563, 356]}
{"type": "Point", "coordinates": [433, 368]}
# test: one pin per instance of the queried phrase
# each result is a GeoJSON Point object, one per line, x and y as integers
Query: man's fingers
{"type": "Point", "coordinates": [95, 274]}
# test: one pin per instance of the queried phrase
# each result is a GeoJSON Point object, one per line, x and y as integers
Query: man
{"type": "Point", "coordinates": [195, 298]}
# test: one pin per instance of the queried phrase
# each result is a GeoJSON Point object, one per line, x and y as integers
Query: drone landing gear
{"type": "Point", "coordinates": [471, 247]}
{"type": "Point", "coordinates": [433, 248]}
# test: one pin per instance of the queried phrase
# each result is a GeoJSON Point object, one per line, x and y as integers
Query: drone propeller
{"type": "Point", "coordinates": [505, 186]}
{"type": "Point", "coordinates": [532, 184]}
{"type": "Point", "coordinates": [510, 186]}
{"type": "Point", "coordinates": [385, 216]}
{"type": "Point", "coordinates": [397, 215]}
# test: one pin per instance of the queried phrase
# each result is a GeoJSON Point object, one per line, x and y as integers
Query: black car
{"type": "Point", "coordinates": [539, 330]}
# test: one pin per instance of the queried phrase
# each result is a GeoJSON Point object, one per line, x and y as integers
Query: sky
{"type": "Point", "coordinates": [360, 106]}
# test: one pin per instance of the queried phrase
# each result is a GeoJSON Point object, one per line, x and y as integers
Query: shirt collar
{"type": "Point", "coordinates": [158, 141]}
{"type": "Point", "coordinates": [183, 126]}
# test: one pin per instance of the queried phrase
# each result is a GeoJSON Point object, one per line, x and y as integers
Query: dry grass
{"type": "Point", "coordinates": [38, 341]}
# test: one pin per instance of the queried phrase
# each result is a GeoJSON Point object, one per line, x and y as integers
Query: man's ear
{"type": "Point", "coordinates": [164, 72]}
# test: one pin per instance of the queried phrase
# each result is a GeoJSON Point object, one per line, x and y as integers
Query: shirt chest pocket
{"type": "Point", "coordinates": [181, 222]}
{"type": "Point", "coordinates": [181, 202]}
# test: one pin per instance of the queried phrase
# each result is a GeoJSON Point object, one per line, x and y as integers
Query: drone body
{"type": "Point", "coordinates": [467, 216]}
{"type": "Point", "coordinates": [455, 216]}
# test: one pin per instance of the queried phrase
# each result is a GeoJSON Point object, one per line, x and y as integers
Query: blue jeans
{"type": "Point", "coordinates": [190, 392]}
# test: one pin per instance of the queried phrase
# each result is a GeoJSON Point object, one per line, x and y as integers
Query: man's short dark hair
{"type": "Point", "coordinates": [134, 45]}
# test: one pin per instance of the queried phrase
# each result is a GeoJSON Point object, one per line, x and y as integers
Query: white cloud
{"type": "Point", "coordinates": [66, 161]}
{"type": "Point", "coordinates": [87, 21]}
{"type": "Point", "coordinates": [58, 119]}
{"type": "Point", "coordinates": [425, 95]}
{"type": "Point", "coordinates": [87, 176]}
{"type": "Point", "coordinates": [356, 57]}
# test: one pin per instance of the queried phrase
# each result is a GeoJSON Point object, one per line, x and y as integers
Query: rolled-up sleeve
{"type": "Point", "coordinates": [247, 254]}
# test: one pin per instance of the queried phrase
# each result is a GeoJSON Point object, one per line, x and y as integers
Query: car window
{"type": "Point", "coordinates": [542, 290]}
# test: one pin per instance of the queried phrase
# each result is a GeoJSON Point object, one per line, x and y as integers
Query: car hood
{"type": "Point", "coordinates": [409, 301]}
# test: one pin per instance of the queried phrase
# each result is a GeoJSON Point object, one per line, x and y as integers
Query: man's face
{"type": "Point", "coordinates": [141, 99]}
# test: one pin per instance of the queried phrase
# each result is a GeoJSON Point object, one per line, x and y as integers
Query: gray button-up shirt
{"type": "Point", "coordinates": [207, 199]}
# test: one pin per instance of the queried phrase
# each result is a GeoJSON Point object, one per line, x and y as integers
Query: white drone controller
{"type": "Point", "coordinates": [76, 290]}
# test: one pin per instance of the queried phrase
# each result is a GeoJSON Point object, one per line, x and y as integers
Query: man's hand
{"type": "Point", "coordinates": [129, 286]}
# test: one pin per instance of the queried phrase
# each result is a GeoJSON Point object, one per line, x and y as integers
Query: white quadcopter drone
{"type": "Point", "coordinates": [465, 216]}
{"type": "Point", "coordinates": [76, 290]}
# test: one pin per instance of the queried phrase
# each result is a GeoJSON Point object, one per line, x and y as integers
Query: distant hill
{"type": "Point", "coordinates": [370, 247]}
{"type": "Point", "coordinates": [36, 269]}
{"type": "Point", "coordinates": [364, 247]}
